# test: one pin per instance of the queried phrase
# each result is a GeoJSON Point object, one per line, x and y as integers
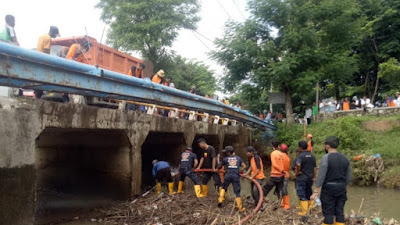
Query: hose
{"type": "Point", "coordinates": [260, 191]}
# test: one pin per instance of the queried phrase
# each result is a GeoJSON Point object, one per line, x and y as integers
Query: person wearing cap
{"type": "Point", "coordinates": [306, 172]}
{"type": "Point", "coordinates": [277, 172]}
{"type": "Point", "coordinates": [77, 51]}
{"type": "Point", "coordinates": [310, 143]}
{"type": "Point", "coordinates": [188, 162]}
{"type": "Point", "coordinates": [162, 171]}
{"type": "Point", "coordinates": [286, 168]}
{"type": "Point", "coordinates": [158, 77]}
{"type": "Point", "coordinates": [333, 178]}
{"type": "Point", "coordinates": [7, 34]}
{"type": "Point", "coordinates": [44, 42]}
{"type": "Point", "coordinates": [233, 165]}
{"type": "Point", "coordinates": [208, 160]}
{"type": "Point", "coordinates": [255, 171]}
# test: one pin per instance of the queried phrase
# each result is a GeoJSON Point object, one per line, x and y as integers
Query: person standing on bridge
{"type": "Point", "coordinates": [334, 177]}
{"type": "Point", "coordinates": [306, 171]}
{"type": "Point", "coordinates": [188, 162]}
{"type": "Point", "coordinates": [7, 34]}
{"type": "Point", "coordinates": [137, 71]}
{"type": "Point", "coordinates": [277, 172]}
{"type": "Point", "coordinates": [234, 165]}
{"type": "Point", "coordinates": [44, 42]}
{"type": "Point", "coordinates": [208, 160]}
{"type": "Point", "coordinates": [286, 167]}
{"type": "Point", "coordinates": [161, 171]}
{"type": "Point", "coordinates": [158, 77]}
{"type": "Point", "coordinates": [256, 171]}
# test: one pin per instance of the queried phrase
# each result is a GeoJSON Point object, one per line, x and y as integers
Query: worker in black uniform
{"type": "Point", "coordinates": [208, 160]}
{"type": "Point", "coordinates": [233, 166]}
{"type": "Point", "coordinates": [188, 162]}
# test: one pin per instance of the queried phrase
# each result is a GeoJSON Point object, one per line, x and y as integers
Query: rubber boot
{"type": "Point", "coordinates": [286, 202]}
{"type": "Point", "coordinates": [158, 187]}
{"type": "Point", "coordinates": [311, 204]}
{"type": "Point", "coordinates": [197, 190]}
{"type": "Point", "coordinates": [180, 187]}
{"type": "Point", "coordinates": [239, 204]}
{"type": "Point", "coordinates": [221, 197]}
{"type": "Point", "coordinates": [204, 190]}
{"type": "Point", "coordinates": [304, 208]}
{"type": "Point", "coordinates": [171, 188]}
{"type": "Point", "coordinates": [339, 223]}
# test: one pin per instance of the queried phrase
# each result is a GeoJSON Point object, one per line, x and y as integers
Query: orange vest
{"type": "Point", "coordinates": [346, 106]}
{"type": "Point", "coordinates": [309, 146]}
{"type": "Point", "coordinates": [286, 164]}
{"type": "Point", "coordinates": [260, 174]}
{"type": "Point", "coordinates": [276, 164]}
{"type": "Point", "coordinates": [156, 79]}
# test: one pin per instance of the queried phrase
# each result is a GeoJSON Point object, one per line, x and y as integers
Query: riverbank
{"type": "Point", "coordinates": [186, 209]}
{"type": "Point", "coordinates": [354, 141]}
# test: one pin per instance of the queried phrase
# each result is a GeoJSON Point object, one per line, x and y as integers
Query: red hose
{"type": "Point", "coordinates": [260, 191]}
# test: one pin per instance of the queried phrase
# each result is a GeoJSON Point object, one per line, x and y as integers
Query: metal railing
{"type": "Point", "coordinates": [29, 69]}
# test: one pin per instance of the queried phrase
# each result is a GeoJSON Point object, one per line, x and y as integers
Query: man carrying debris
{"type": "Point", "coordinates": [233, 166]}
{"type": "Point", "coordinates": [188, 162]}
{"type": "Point", "coordinates": [208, 160]}
{"type": "Point", "coordinates": [256, 171]}
{"type": "Point", "coordinates": [161, 171]}
{"type": "Point", "coordinates": [286, 167]}
{"type": "Point", "coordinates": [277, 172]}
{"type": "Point", "coordinates": [334, 177]}
{"type": "Point", "coordinates": [306, 171]}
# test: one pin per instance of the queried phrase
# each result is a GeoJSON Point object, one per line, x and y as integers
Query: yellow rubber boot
{"type": "Point", "coordinates": [204, 190]}
{"type": "Point", "coordinates": [304, 208]}
{"type": "Point", "coordinates": [158, 188]}
{"type": "Point", "coordinates": [311, 204]}
{"type": "Point", "coordinates": [171, 188]}
{"type": "Point", "coordinates": [221, 197]}
{"type": "Point", "coordinates": [180, 187]}
{"type": "Point", "coordinates": [197, 190]}
{"type": "Point", "coordinates": [339, 223]}
{"type": "Point", "coordinates": [239, 204]}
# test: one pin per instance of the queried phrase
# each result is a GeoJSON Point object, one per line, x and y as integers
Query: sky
{"type": "Point", "coordinates": [33, 18]}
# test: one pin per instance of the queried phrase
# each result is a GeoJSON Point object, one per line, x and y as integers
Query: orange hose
{"type": "Point", "coordinates": [260, 191]}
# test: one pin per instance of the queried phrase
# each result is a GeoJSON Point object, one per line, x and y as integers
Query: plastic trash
{"type": "Point", "coordinates": [377, 155]}
{"type": "Point", "coordinates": [377, 221]}
{"type": "Point", "coordinates": [317, 201]}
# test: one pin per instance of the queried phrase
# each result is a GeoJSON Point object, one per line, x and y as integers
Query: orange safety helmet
{"type": "Point", "coordinates": [284, 147]}
{"type": "Point", "coordinates": [309, 136]}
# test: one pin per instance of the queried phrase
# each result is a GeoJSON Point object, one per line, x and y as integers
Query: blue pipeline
{"type": "Point", "coordinates": [25, 68]}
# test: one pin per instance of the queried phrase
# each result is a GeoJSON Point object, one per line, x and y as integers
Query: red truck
{"type": "Point", "coordinates": [98, 54]}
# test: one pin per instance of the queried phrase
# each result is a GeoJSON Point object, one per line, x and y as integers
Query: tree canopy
{"type": "Point", "coordinates": [148, 26]}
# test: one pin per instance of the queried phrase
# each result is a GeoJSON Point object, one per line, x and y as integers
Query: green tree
{"type": "Point", "coordinates": [148, 26]}
{"type": "Point", "coordinates": [186, 73]}
{"type": "Point", "coordinates": [390, 73]}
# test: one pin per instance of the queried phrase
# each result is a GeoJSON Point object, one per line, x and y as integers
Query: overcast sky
{"type": "Point", "coordinates": [33, 18]}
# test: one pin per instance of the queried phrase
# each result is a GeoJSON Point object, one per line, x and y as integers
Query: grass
{"type": "Point", "coordinates": [353, 141]}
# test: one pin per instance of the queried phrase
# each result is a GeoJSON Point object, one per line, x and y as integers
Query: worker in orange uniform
{"type": "Point", "coordinates": [277, 172]}
{"type": "Point", "coordinates": [158, 77]}
{"type": "Point", "coordinates": [44, 42]}
{"type": "Point", "coordinates": [137, 70]}
{"type": "Point", "coordinates": [346, 104]}
{"type": "Point", "coordinates": [77, 52]}
{"type": "Point", "coordinates": [310, 143]}
{"type": "Point", "coordinates": [256, 171]}
{"type": "Point", "coordinates": [286, 168]}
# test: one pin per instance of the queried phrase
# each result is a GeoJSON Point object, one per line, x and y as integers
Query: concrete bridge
{"type": "Point", "coordinates": [78, 151]}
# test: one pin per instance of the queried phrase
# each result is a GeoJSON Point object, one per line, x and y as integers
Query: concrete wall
{"type": "Point", "coordinates": [388, 111]}
{"type": "Point", "coordinates": [40, 139]}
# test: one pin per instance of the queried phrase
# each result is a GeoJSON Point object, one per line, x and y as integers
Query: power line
{"type": "Point", "coordinates": [201, 41]}
{"type": "Point", "coordinates": [224, 9]}
{"type": "Point", "coordinates": [240, 11]}
{"type": "Point", "coordinates": [208, 39]}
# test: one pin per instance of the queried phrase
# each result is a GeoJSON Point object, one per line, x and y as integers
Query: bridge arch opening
{"type": "Point", "coordinates": [78, 169]}
{"type": "Point", "coordinates": [163, 147]}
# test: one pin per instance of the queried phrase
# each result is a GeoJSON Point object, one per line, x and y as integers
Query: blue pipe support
{"type": "Point", "coordinates": [25, 68]}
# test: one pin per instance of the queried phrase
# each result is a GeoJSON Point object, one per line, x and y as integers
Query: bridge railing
{"type": "Point", "coordinates": [30, 69]}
